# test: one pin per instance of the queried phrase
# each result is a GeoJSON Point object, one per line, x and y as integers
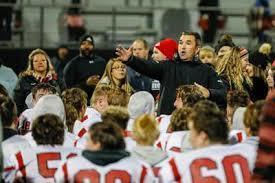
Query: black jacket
{"type": "Point", "coordinates": [259, 89]}
{"type": "Point", "coordinates": [173, 74]}
{"type": "Point", "coordinates": [23, 88]}
{"type": "Point", "coordinates": [80, 68]}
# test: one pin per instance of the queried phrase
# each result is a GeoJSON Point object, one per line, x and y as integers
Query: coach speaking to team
{"type": "Point", "coordinates": [184, 70]}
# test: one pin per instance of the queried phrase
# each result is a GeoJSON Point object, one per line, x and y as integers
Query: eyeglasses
{"type": "Point", "coordinates": [119, 67]}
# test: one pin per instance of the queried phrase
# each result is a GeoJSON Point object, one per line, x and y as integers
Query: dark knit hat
{"type": "Point", "coordinates": [225, 40]}
{"type": "Point", "coordinates": [87, 37]}
{"type": "Point", "coordinates": [258, 59]}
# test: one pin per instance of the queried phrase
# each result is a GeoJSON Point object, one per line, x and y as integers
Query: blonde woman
{"type": "Point", "coordinates": [115, 76]}
{"type": "Point", "coordinates": [39, 70]}
{"type": "Point", "coordinates": [229, 68]}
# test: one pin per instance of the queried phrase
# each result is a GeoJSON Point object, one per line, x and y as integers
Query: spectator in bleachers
{"type": "Point", "coordinates": [208, 56]}
{"type": "Point", "coordinates": [115, 76]}
{"type": "Point", "coordinates": [85, 70]}
{"type": "Point", "coordinates": [8, 78]}
{"type": "Point", "coordinates": [59, 62]}
{"type": "Point", "coordinates": [256, 71]}
{"type": "Point", "coordinates": [138, 81]}
{"type": "Point", "coordinates": [40, 70]}
{"type": "Point", "coordinates": [105, 158]}
{"type": "Point", "coordinates": [173, 74]}
{"type": "Point", "coordinates": [265, 164]}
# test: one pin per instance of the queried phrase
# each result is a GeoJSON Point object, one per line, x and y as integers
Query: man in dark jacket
{"type": "Point", "coordinates": [184, 71]}
{"type": "Point", "coordinates": [85, 70]}
{"type": "Point", "coordinates": [59, 62]}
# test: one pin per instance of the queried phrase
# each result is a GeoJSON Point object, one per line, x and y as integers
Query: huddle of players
{"type": "Point", "coordinates": [191, 146]}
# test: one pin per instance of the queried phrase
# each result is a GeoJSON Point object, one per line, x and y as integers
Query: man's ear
{"type": "Point", "coordinates": [204, 137]}
{"type": "Point", "coordinates": [198, 50]}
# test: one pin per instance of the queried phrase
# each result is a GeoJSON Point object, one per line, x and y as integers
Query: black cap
{"type": "Point", "coordinates": [87, 37]}
{"type": "Point", "coordinates": [258, 59]}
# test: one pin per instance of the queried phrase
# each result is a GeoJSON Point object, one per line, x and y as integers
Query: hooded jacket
{"type": "Point", "coordinates": [173, 74]}
{"type": "Point", "coordinates": [149, 154]}
{"type": "Point", "coordinates": [105, 157]}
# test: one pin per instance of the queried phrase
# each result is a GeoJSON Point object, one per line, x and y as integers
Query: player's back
{"type": "Point", "coordinates": [98, 168]}
{"type": "Point", "coordinates": [217, 163]}
{"type": "Point", "coordinates": [38, 164]}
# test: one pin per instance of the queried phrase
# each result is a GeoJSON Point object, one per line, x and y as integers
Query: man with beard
{"type": "Point", "coordinates": [85, 70]}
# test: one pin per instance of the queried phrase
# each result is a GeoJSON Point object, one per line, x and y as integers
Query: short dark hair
{"type": "Point", "coordinates": [8, 111]}
{"type": "Point", "coordinates": [195, 34]}
{"type": "Point", "coordinates": [116, 114]}
{"type": "Point", "coordinates": [43, 86]}
{"type": "Point", "coordinates": [108, 135]}
{"type": "Point", "coordinates": [207, 117]}
{"type": "Point", "coordinates": [48, 129]}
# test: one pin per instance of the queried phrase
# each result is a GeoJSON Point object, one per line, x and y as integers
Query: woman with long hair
{"type": "Point", "coordinates": [115, 76]}
{"type": "Point", "coordinates": [229, 68]}
{"type": "Point", "coordinates": [39, 70]}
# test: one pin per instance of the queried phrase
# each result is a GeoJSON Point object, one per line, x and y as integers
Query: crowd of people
{"type": "Point", "coordinates": [187, 113]}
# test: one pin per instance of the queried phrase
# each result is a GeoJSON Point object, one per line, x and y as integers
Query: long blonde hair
{"type": "Point", "coordinates": [230, 66]}
{"type": "Point", "coordinates": [108, 79]}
